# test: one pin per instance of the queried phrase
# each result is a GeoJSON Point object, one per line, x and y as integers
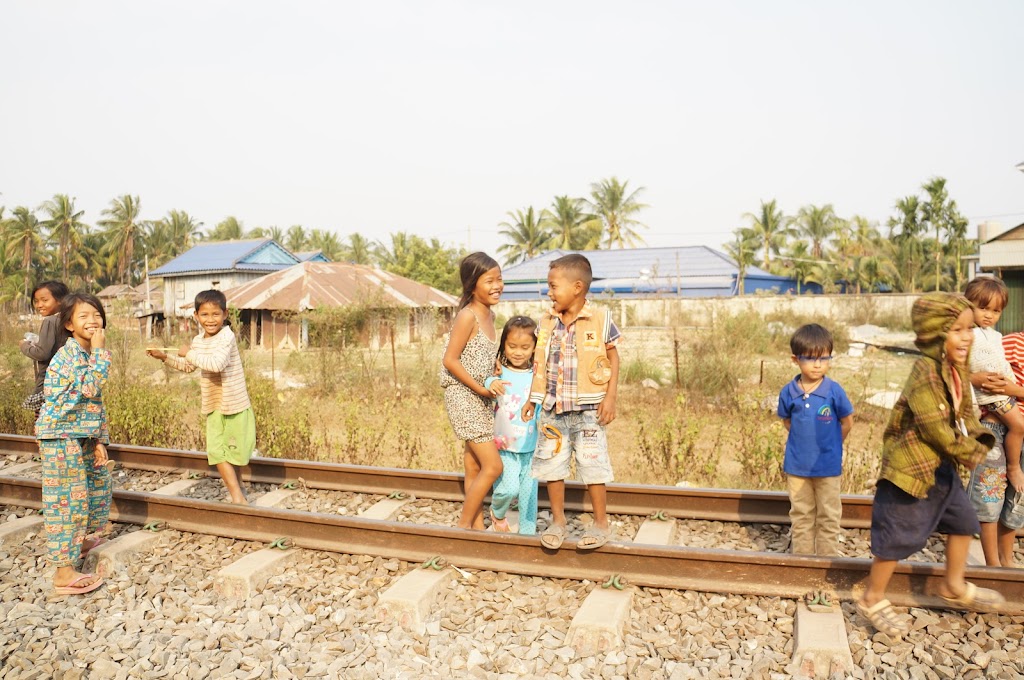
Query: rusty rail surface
{"type": "Point", "coordinates": [770, 507]}
{"type": "Point", "coordinates": [721, 571]}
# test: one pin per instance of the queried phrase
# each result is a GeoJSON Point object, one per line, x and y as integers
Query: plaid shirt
{"type": "Point", "coordinates": [924, 430]}
{"type": "Point", "coordinates": [562, 366]}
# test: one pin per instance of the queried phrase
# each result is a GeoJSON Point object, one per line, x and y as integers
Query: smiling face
{"type": "Point", "coordinates": [959, 338]}
{"type": "Point", "coordinates": [489, 287]}
{"type": "Point", "coordinates": [85, 320]}
{"type": "Point", "coordinates": [562, 291]}
{"type": "Point", "coordinates": [519, 348]}
{"type": "Point", "coordinates": [210, 317]}
{"type": "Point", "coordinates": [44, 302]}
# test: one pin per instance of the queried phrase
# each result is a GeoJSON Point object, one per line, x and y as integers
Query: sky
{"type": "Point", "coordinates": [438, 118]}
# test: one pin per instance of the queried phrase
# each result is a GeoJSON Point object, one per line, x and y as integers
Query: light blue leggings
{"type": "Point", "coordinates": [516, 482]}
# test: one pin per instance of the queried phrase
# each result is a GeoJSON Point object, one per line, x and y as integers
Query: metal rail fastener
{"type": "Point", "coordinates": [398, 495]}
{"type": "Point", "coordinates": [437, 563]}
{"type": "Point", "coordinates": [290, 485]}
{"type": "Point", "coordinates": [283, 543]}
{"type": "Point", "coordinates": [154, 526]}
{"type": "Point", "coordinates": [660, 516]}
{"type": "Point", "coordinates": [615, 581]}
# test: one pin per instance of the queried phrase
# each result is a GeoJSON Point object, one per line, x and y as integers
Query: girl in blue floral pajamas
{"type": "Point", "coordinates": [72, 435]}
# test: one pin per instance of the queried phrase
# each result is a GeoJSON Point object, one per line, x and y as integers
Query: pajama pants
{"type": "Point", "coordinates": [76, 497]}
{"type": "Point", "coordinates": [516, 482]}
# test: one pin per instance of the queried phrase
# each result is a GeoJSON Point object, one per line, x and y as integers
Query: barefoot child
{"type": "Point", "coordinates": [931, 429]}
{"type": "Point", "coordinates": [46, 299]}
{"type": "Point", "coordinates": [818, 417]}
{"type": "Point", "coordinates": [515, 437]}
{"type": "Point", "coordinates": [576, 372]}
{"type": "Point", "coordinates": [230, 425]}
{"type": "Point", "coordinates": [73, 438]}
{"type": "Point", "coordinates": [467, 361]}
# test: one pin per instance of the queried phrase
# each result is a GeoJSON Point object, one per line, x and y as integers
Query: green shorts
{"type": "Point", "coordinates": [230, 439]}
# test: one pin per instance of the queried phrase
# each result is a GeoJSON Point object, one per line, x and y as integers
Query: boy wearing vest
{"type": "Point", "coordinates": [576, 372]}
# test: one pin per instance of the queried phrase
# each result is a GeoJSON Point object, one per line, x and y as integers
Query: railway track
{"type": "Point", "coordinates": [723, 571]}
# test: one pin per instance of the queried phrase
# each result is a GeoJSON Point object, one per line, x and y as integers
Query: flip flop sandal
{"type": "Point", "coordinates": [72, 589]}
{"type": "Point", "coordinates": [592, 538]}
{"type": "Point", "coordinates": [553, 536]}
{"type": "Point", "coordinates": [500, 525]}
{"type": "Point", "coordinates": [976, 599]}
{"type": "Point", "coordinates": [883, 617]}
{"type": "Point", "coordinates": [96, 543]}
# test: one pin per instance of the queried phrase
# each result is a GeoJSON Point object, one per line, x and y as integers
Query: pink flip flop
{"type": "Point", "coordinates": [72, 589]}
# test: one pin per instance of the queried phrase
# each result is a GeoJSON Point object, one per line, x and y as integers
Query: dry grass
{"type": "Point", "coordinates": [718, 428]}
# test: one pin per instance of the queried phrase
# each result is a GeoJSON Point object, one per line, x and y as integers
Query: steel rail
{"type": "Point", "coordinates": [722, 571]}
{"type": "Point", "coordinates": [727, 505]}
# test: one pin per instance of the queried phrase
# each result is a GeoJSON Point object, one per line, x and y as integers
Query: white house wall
{"type": "Point", "coordinates": [182, 290]}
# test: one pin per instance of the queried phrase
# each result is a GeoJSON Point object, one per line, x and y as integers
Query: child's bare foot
{"type": "Point", "coordinates": [79, 579]}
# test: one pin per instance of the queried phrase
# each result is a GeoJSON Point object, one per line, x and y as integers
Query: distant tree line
{"type": "Point", "coordinates": [54, 240]}
{"type": "Point", "coordinates": [922, 248]}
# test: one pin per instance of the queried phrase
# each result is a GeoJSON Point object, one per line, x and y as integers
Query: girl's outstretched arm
{"type": "Point", "coordinates": [462, 331]}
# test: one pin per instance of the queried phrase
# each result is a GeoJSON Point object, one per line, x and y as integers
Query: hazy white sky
{"type": "Point", "coordinates": [438, 117]}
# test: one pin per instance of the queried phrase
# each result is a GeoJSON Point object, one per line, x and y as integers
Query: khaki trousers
{"type": "Point", "coordinates": [815, 510]}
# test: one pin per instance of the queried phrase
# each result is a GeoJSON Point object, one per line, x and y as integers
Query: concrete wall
{"type": "Point", "coordinates": [880, 309]}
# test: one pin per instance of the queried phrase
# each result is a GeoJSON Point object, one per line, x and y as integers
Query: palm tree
{"type": "Point", "coordinates": [123, 231]}
{"type": "Point", "coordinates": [613, 203]}
{"type": "Point", "coordinates": [23, 236]}
{"type": "Point", "coordinates": [65, 226]}
{"type": "Point", "coordinates": [817, 223]}
{"type": "Point", "coordinates": [935, 213]}
{"type": "Point", "coordinates": [228, 229]}
{"type": "Point", "coordinates": [359, 249]}
{"type": "Point", "coordinates": [904, 230]}
{"type": "Point", "coordinates": [172, 235]}
{"type": "Point", "coordinates": [295, 240]}
{"type": "Point", "coordinates": [526, 234]}
{"type": "Point", "coordinates": [570, 225]}
{"type": "Point", "coordinates": [326, 242]}
{"type": "Point", "coordinates": [771, 228]}
{"type": "Point", "coordinates": [742, 250]}
{"type": "Point", "coordinates": [864, 234]}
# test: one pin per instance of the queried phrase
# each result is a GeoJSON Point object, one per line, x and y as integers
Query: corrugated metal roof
{"type": "Point", "coordinates": [247, 255]}
{"type": "Point", "coordinates": [312, 256]}
{"type": "Point", "coordinates": [636, 263]}
{"type": "Point", "coordinates": [309, 285]}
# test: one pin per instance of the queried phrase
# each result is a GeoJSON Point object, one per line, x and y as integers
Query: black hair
{"type": "Point", "coordinates": [57, 289]}
{"type": "Point", "coordinates": [518, 323]}
{"type": "Point", "coordinates": [67, 310]}
{"type": "Point", "coordinates": [811, 340]}
{"type": "Point", "coordinates": [472, 267]}
{"type": "Point", "coordinates": [576, 267]}
{"type": "Point", "coordinates": [212, 296]}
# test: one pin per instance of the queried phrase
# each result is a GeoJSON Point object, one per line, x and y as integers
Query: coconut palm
{"type": "Point", "coordinates": [616, 207]}
{"type": "Point", "coordinates": [742, 250]}
{"type": "Point", "coordinates": [171, 236]}
{"type": "Point", "coordinates": [817, 223]}
{"type": "Point", "coordinates": [24, 239]}
{"type": "Point", "coordinates": [864, 235]}
{"type": "Point", "coordinates": [526, 234]}
{"type": "Point", "coordinates": [123, 231]}
{"type": "Point", "coordinates": [771, 229]}
{"type": "Point", "coordinates": [228, 229]}
{"type": "Point", "coordinates": [359, 249]}
{"type": "Point", "coordinates": [65, 227]}
{"type": "Point", "coordinates": [571, 226]}
{"type": "Point", "coordinates": [296, 239]}
{"type": "Point", "coordinates": [326, 242]}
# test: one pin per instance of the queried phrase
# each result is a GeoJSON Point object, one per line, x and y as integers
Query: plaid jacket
{"type": "Point", "coordinates": [923, 430]}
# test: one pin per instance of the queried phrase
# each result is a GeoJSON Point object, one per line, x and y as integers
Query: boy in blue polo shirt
{"type": "Point", "coordinates": [818, 416]}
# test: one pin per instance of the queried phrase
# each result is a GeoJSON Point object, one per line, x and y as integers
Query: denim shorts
{"type": "Point", "coordinates": [992, 497]}
{"type": "Point", "coordinates": [901, 523]}
{"type": "Point", "coordinates": [565, 437]}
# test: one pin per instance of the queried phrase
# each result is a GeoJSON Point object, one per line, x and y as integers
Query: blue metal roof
{"type": "Point", "coordinates": [257, 255]}
{"type": "Point", "coordinates": [312, 256]}
{"type": "Point", "coordinates": [686, 271]}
